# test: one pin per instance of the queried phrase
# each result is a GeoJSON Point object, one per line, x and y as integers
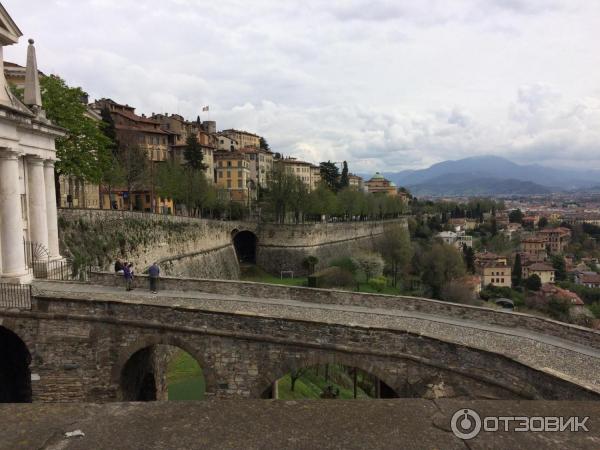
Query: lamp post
{"type": "Point", "coordinates": [250, 186]}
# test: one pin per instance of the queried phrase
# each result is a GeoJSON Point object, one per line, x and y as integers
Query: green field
{"type": "Point", "coordinates": [311, 385]}
{"type": "Point", "coordinates": [184, 378]}
{"type": "Point", "coordinates": [258, 275]}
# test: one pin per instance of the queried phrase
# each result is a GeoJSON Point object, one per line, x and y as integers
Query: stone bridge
{"type": "Point", "coordinates": [94, 342]}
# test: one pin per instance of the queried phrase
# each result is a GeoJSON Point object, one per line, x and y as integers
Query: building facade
{"type": "Point", "coordinates": [378, 184]}
{"type": "Point", "coordinates": [233, 174]}
{"type": "Point", "coordinates": [243, 138]}
{"type": "Point", "coordinates": [27, 158]}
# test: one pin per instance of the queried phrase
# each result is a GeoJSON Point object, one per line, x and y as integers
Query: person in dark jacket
{"type": "Point", "coordinates": [119, 266]}
{"type": "Point", "coordinates": [153, 274]}
{"type": "Point", "coordinates": [128, 275]}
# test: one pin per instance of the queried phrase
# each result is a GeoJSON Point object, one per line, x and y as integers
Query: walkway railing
{"type": "Point", "coordinates": [15, 296]}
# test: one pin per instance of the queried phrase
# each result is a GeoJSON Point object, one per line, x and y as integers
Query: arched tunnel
{"type": "Point", "coordinates": [245, 243]}
{"type": "Point", "coordinates": [15, 376]}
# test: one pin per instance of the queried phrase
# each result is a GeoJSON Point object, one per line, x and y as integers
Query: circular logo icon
{"type": "Point", "coordinates": [465, 424]}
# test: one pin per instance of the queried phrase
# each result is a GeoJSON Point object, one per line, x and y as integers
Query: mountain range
{"type": "Point", "coordinates": [490, 175]}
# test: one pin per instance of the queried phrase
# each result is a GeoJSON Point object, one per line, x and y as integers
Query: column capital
{"type": "Point", "coordinates": [9, 153]}
{"type": "Point", "coordinates": [35, 160]}
{"type": "Point", "coordinates": [49, 163]}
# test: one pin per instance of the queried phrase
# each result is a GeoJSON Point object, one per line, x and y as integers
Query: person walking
{"type": "Point", "coordinates": [153, 274]}
{"type": "Point", "coordinates": [128, 275]}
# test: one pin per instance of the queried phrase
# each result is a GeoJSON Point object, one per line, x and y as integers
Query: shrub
{"type": "Point", "coordinates": [378, 283]}
{"type": "Point", "coordinates": [331, 277]}
{"type": "Point", "coordinates": [371, 264]}
{"type": "Point", "coordinates": [533, 283]}
{"type": "Point", "coordinates": [345, 263]}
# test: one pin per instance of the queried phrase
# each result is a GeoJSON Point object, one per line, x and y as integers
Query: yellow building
{"type": "Point", "coordinates": [534, 245]}
{"type": "Point", "coordinates": [355, 182]}
{"type": "Point", "coordinates": [233, 174]}
{"type": "Point", "coordinates": [243, 138]}
{"type": "Point", "coordinates": [378, 184]}
{"type": "Point", "coordinates": [544, 271]}
{"type": "Point", "coordinates": [496, 275]}
{"type": "Point", "coordinates": [303, 170]}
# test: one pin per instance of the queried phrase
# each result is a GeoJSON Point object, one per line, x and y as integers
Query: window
{"type": "Point", "coordinates": [220, 163]}
{"type": "Point", "coordinates": [240, 183]}
{"type": "Point", "coordinates": [220, 174]}
{"type": "Point", "coordinates": [239, 163]}
{"type": "Point", "coordinates": [239, 174]}
{"type": "Point", "coordinates": [229, 174]}
{"type": "Point", "coordinates": [147, 198]}
{"type": "Point", "coordinates": [228, 163]}
{"type": "Point", "coordinates": [229, 184]}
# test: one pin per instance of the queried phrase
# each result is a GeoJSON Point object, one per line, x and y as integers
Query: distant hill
{"type": "Point", "coordinates": [492, 175]}
{"type": "Point", "coordinates": [456, 185]}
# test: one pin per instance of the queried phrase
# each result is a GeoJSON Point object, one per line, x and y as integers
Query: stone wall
{"type": "Point", "coordinates": [194, 247]}
{"type": "Point", "coordinates": [576, 334]}
{"type": "Point", "coordinates": [183, 246]}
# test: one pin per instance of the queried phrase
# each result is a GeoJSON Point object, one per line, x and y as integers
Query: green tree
{"type": "Point", "coordinates": [517, 272]}
{"type": "Point", "coordinates": [81, 152]}
{"type": "Point", "coordinates": [441, 264]}
{"type": "Point", "coordinates": [515, 216]}
{"type": "Point", "coordinates": [264, 144]}
{"type": "Point", "coordinates": [193, 153]}
{"type": "Point", "coordinates": [396, 249]}
{"type": "Point", "coordinates": [560, 267]}
{"type": "Point", "coordinates": [469, 257]}
{"type": "Point", "coordinates": [330, 175]}
{"type": "Point", "coordinates": [533, 283]}
{"type": "Point", "coordinates": [371, 264]}
{"type": "Point", "coordinates": [344, 180]}
{"type": "Point", "coordinates": [543, 222]}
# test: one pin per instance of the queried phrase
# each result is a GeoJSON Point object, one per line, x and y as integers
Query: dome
{"type": "Point", "coordinates": [377, 176]}
{"type": "Point", "coordinates": [392, 184]}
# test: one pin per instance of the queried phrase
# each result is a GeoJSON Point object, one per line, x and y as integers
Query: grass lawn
{"type": "Point", "coordinates": [184, 378]}
{"type": "Point", "coordinates": [258, 275]}
{"type": "Point", "coordinates": [310, 386]}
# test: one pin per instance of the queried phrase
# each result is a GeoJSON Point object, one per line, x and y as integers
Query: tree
{"type": "Point", "coordinates": [344, 181]}
{"type": "Point", "coordinates": [560, 267]}
{"type": "Point", "coordinates": [193, 153]}
{"type": "Point", "coordinates": [441, 263]}
{"type": "Point", "coordinates": [517, 272]}
{"type": "Point", "coordinates": [80, 152]}
{"type": "Point", "coordinates": [396, 249]}
{"type": "Point", "coordinates": [543, 222]}
{"type": "Point", "coordinates": [294, 375]}
{"type": "Point", "coordinates": [371, 264]}
{"type": "Point", "coordinates": [533, 283]}
{"type": "Point", "coordinates": [134, 161]}
{"type": "Point", "coordinates": [264, 145]}
{"type": "Point", "coordinates": [458, 292]}
{"type": "Point", "coordinates": [469, 257]}
{"type": "Point", "coordinates": [515, 216]}
{"type": "Point", "coordinates": [330, 175]}
{"type": "Point", "coordinates": [310, 263]}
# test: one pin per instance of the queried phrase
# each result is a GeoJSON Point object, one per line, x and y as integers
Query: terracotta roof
{"type": "Point", "coordinates": [588, 277]}
{"type": "Point", "coordinates": [540, 267]}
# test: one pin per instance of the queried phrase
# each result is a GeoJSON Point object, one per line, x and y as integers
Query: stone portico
{"type": "Point", "coordinates": [27, 157]}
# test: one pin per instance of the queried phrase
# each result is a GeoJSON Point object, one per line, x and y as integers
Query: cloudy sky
{"type": "Point", "coordinates": [386, 85]}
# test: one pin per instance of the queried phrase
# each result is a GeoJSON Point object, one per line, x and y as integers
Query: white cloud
{"type": "Point", "coordinates": [385, 84]}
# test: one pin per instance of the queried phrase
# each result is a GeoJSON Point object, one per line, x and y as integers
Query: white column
{"type": "Point", "coordinates": [36, 196]}
{"type": "Point", "coordinates": [51, 219]}
{"type": "Point", "coordinates": [11, 221]}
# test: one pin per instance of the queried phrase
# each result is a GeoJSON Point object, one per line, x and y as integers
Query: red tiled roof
{"type": "Point", "coordinates": [540, 267]}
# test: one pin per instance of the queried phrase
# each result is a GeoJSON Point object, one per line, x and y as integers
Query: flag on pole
{"type": "Point", "coordinates": [205, 108]}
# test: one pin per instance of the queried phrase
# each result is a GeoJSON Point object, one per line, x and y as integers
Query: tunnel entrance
{"type": "Point", "coordinates": [15, 376]}
{"type": "Point", "coordinates": [329, 381]}
{"type": "Point", "coordinates": [162, 372]}
{"type": "Point", "coordinates": [245, 246]}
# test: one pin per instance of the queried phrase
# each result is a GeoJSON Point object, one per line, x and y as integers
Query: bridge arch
{"type": "Point", "coordinates": [15, 374]}
{"type": "Point", "coordinates": [245, 243]}
{"type": "Point", "coordinates": [140, 369]}
{"type": "Point", "coordinates": [387, 385]}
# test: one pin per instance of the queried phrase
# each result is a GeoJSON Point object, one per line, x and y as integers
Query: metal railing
{"type": "Point", "coordinates": [15, 296]}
